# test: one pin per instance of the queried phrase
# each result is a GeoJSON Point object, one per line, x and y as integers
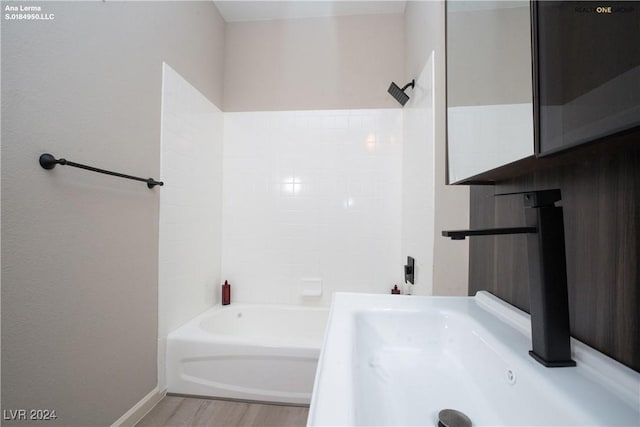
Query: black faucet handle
{"type": "Point", "coordinates": [539, 198]}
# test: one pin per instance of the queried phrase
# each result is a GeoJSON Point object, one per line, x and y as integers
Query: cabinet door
{"type": "Point", "coordinates": [489, 86]}
{"type": "Point", "coordinates": [588, 71]}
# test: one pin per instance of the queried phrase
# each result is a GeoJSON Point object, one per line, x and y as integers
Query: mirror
{"type": "Point", "coordinates": [489, 86]}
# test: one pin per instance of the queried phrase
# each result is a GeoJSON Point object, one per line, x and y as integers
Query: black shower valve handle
{"type": "Point", "coordinates": [409, 270]}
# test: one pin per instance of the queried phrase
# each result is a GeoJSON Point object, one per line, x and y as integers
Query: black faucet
{"type": "Point", "coordinates": [548, 299]}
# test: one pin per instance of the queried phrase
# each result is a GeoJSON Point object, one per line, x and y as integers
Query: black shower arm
{"type": "Point", "coordinates": [412, 83]}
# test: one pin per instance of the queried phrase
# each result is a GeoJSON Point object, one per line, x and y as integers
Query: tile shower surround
{"type": "Point", "coordinates": [311, 194]}
{"type": "Point", "coordinates": [189, 225]}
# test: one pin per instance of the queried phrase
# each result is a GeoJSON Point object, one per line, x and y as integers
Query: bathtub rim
{"type": "Point", "coordinates": [191, 330]}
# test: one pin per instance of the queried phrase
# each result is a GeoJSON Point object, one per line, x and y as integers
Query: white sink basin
{"type": "Point", "coordinates": [399, 360]}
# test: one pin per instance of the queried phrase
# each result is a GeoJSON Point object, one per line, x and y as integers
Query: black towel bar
{"type": "Point", "coordinates": [47, 161]}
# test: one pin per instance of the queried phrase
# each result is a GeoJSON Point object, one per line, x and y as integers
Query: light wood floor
{"type": "Point", "coordinates": [190, 411]}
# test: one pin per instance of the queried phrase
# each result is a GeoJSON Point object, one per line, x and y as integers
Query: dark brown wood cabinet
{"type": "Point", "coordinates": [585, 84]}
{"type": "Point", "coordinates": [587, 124]}
{"type": "Point", "coordinates": [586, 61]}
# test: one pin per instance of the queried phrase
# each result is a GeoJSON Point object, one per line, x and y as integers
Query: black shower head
{"type": "Point", "coordinates": [398, 93]}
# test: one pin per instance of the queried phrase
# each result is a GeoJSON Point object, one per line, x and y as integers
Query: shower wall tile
{"type": "Point", "coordinates": [311, 194]}
{"type": "Point", "coordinates": [190, 206]}
{"type": "Point", "coordinates": [419, 183]}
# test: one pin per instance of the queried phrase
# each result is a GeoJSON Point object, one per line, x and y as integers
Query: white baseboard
{"type": "Point", "coordinates": [140, 409]}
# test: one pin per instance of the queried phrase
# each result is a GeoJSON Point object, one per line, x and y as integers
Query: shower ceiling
{"type": "Point", "coordinates": [236, 11]}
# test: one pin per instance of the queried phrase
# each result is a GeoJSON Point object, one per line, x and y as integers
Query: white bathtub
{"type": "Point", "coordinates": [252, 352]}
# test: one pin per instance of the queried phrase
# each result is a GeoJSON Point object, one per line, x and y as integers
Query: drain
{"type": "Point", "coordinates": [453, 418]}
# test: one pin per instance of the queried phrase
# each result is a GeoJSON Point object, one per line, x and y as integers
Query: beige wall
{"type": "Point", "coordinates": [316, 63]}
{"type": "Point", "coordinates": [489, 56]}
{"type": "Point", "coordinates": [80, 250]}
{"type": "Point", "coordinates": [424, 35]}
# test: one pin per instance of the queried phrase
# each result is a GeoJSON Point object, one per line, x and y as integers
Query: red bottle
{"type": "Point", "coordinates": [395, 290]}
{"type": "Point", "coordinates": [226, 293]}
